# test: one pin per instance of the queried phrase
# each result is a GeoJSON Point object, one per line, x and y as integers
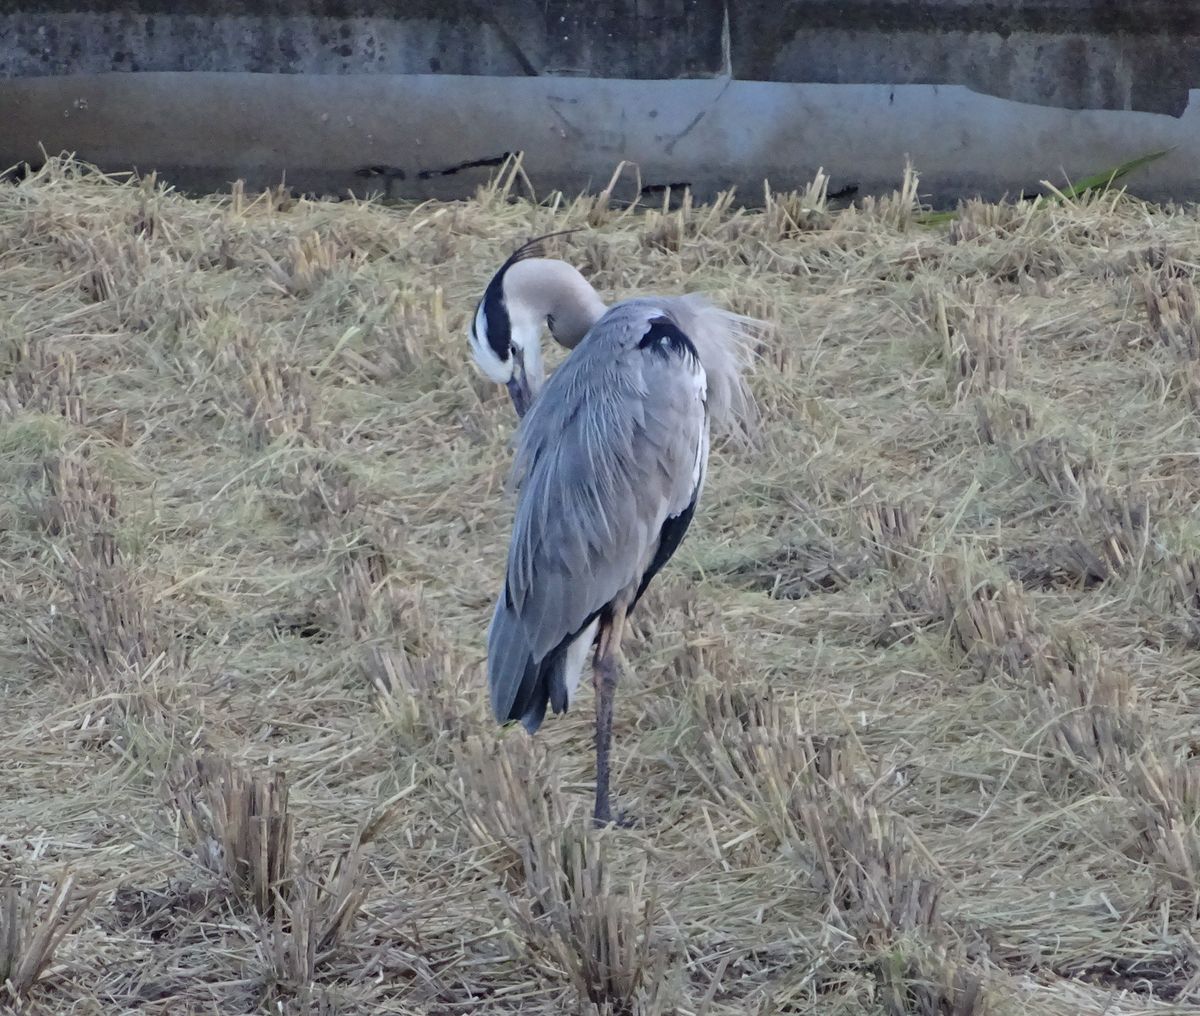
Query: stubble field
{"type": "Point", "coordinates": [909, 722]}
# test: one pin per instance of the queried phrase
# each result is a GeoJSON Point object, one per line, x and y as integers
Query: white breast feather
{"type": "Point", "coordinates": [700, 380]}
{"type": "Point", "coordinates": [577, 654]}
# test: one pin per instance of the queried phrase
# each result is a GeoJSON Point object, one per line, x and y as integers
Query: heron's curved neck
{"type": "Point", "coordinates": [553, 291]}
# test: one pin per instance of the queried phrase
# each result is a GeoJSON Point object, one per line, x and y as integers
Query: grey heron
{"type": "Point", "coordinates": [610, 462]}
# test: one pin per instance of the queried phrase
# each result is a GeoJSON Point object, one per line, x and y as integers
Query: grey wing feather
{"type": "Point", "coordinates": [612, 448]}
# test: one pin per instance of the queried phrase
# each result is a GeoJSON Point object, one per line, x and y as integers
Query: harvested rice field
{"type": "Point", "coordinates": [910, 722]}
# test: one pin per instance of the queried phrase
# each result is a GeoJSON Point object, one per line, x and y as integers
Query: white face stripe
{"type": "Point", "coordinates": [500, 371]}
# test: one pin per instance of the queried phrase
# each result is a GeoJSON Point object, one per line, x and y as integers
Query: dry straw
{"type": "Point", "coordinates": [32, 928]}
{"type": "Point", "coordinates": [905, 727]}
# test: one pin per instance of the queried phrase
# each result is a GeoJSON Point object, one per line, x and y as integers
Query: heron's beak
{"type": "Point", "coordinates": [518, 388]}
{"type": "Point", "coordinates": [519, 393]}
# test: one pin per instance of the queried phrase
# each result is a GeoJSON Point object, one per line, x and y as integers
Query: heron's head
{"type": "Point", "coordinates": [506, 342]}
{"type": "Point", "coordinates": [527, 293]}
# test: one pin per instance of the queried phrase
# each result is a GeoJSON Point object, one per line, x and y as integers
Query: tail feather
{"type": "Point", "coordinates": [512, 672]}
{"type": "Point", "coordinates": [521, 687]}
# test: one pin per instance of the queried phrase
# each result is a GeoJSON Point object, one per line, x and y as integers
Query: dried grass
{"type": "Point", "coordinates": [108, 638]}
{"type": "Point", "coordinates": [1003, 421]}
{"type": "Point", "coordinates": [574, 919]}
{"type": "Point", "coordinates": [892, 532]}
{"type": "Point", "coordinates": [1069, 473]}
{"type": "Point", "coordinates": [32, 928]}
{"type": "Point", "coordinates": [905, 724]}
{"type": "Point", "coordinates": [39, 383]}
{"type": "Point", "coordinates": [925, 981]}
{"type": "Point", "coordinates": [1174, 312]}
{"type": "Point", "coordinates": [1091, 707]}
{"type": "Point", "coordinates": [301, 905]}
{"type": "Point", "coordinates": [1166, 795]}
{"type": "Point", "coordinates": [240, 827]}
{"type": "Point", "coordinates": [984, 351]}
{"type": "Point", "coordinates": [992, 622]}
{"type": "Point", "coordinates": [899, 209]}
{"type": "Point", "coordinates": [787, 213]}
{"type": "Point", "coordinates": [313, 921]}
{"type": "Point", "coordinates": [511, 798]}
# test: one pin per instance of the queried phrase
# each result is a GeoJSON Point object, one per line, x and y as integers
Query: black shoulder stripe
{"type": "Point", "coordinates": [669, 539]}
{"type": "Point", "coordinates": [665, 338]}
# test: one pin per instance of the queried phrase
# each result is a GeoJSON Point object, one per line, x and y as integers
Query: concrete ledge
{"type": "Point", "coordinates": [423, 136]}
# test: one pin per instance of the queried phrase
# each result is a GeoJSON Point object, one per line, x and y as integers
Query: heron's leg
{"type": "Point", "coordinates": [606, 686]}
{"type": "Point", "coordinates": [606, 672]}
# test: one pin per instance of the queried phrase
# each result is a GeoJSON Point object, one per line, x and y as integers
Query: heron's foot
{"type": "Point", "coordinates": [622, 819]}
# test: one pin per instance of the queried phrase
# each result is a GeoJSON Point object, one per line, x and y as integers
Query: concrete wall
{"type": "Point", "coordinates": [421, 98]}
{"type": "Point", "coordinates": [600, 38]}
{"type": "Point", "coordinates": [626, 38]}
{"type": "Point", "coordinates": [1076, 54]}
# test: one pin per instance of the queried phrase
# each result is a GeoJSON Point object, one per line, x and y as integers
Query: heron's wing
{"type": "Point", "coordinates": [613, 448]}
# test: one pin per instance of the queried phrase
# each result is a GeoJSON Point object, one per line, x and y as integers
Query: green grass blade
{"type": "Point", "coordinates": [1103, 181]}
{"type": "Point", "coordinates": [935, 218]}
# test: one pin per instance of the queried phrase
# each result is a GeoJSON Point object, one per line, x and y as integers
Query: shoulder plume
{"type": "Point", "coordinates": [724, 343]}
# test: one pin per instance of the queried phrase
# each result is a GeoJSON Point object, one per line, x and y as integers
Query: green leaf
{"type": "Point", "coordinates": [1102, 181]}
{"type": "Point", "coordinates": [935, 218]}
